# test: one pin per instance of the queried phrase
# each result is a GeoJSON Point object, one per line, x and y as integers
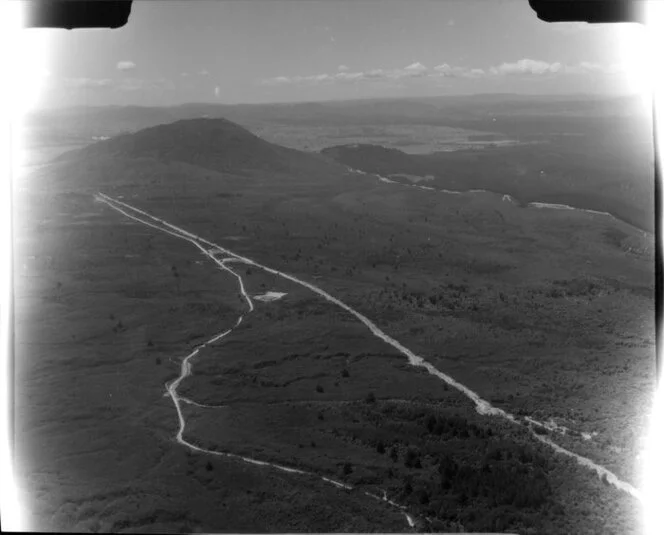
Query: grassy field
{"type": "Point", "coordinates": [547, 314]}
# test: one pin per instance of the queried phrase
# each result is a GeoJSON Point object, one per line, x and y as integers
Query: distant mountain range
{"type": "Point", "coordinates": [515, 115]}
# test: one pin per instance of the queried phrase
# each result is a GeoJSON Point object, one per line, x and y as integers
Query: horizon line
{"type": "Point", "coordinates": [597, 95]}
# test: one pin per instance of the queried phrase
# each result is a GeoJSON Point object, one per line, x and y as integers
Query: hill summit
{"type": "Point", "coordinates": [216, 144]}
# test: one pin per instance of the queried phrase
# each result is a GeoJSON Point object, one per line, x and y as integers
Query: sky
{"type": "Point", "coordinates": [253, 51]}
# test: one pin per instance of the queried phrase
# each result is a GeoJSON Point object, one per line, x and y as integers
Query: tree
{"type": "Point", "coordinates": [380, 447]}
{"type": "Point", "coordinates": [394, 454]}
{"type": "Point", "coordinates": [412, 459]}
{"type": "Point", "coordinates": [423, 496]}
{"type": "Point", "coordinates": [371, 397]}
{"type": "Point", "coordinates": [344, 373]}
{"type": "Point", "coordinates": [320, 389]}
{"type": "Point", "coordinates": [430, 423]}
{"type": "Point", "coordinates": [348, 469]}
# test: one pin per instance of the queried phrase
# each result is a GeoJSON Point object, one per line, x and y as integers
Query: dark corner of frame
{"type": "Point", "coordinates": [591, 11]}
{"type": "Point", "coordinates": [70, 14]}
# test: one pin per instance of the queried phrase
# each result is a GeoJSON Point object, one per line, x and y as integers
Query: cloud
{"type": "Point", "coordinates": [374, 74]}
{"type": "Point", "coordinates": [132, 84]}
{"type": "Point", "coordinates": [143, 84]}
{"type": "Point", "coordinates": [451, 22]}
{"type": "Point", "coordinates": [586, 67]}
{"type": "Point", "coordinates": [311, 79]}
{"type": "Point", "coordinates": [125, 65]}
{"type": "Point", "coordinates": [88, 83]}
{"type": "Point", "coordinates": [445, 69]}
{"type": "Point", "coordinates": [448, 71]}
{"type": "Point", "coordinates": [529, 67]}
{"type": "Point", "coordinates": [415, 70]}
{"type": "Point", "coordinates": [124, 84]}
{"type": "Point", "coordinates": [475, 73]}
{"type": "Point", "coordinates": [278, 80]}
{"type": "Point", "coordinates": [202, 72]}
{"type": "Point", "coordinates": [348, 76]}
{"type": "Point", "coordinates": [526, 67]}
{"type": "Point", "coordinates": [217, 91]}
{"type": "Point", "coordinates": [522, 67]}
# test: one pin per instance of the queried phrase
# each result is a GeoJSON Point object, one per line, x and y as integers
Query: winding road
{"type": "Point", "coordinates": [212, 250]}
{"type": "Point", "coordinates": [185, 365]}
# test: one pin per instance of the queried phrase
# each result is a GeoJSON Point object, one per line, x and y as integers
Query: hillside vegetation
{"type": "Point", "coordinates": [559, 171]}
{"type": "Point", "coordinates": [546, 314]}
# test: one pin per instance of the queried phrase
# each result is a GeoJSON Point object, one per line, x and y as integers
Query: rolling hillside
{"type": "Point", "coordinates": [577, 173]}
{"type": "Point", "coordinates": [546, 314]}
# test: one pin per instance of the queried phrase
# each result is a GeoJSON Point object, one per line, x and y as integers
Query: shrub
{"type": "Point", "coordinates": [371, 397]}
{"type": "Point", "coordinates": [320, 389]}
{"type": "Point", "coordinates": [158, 360]}
{"type": "Point", "coordinates": [380, 447]}
{"type": "Point", "coordinates": [344, 373]}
